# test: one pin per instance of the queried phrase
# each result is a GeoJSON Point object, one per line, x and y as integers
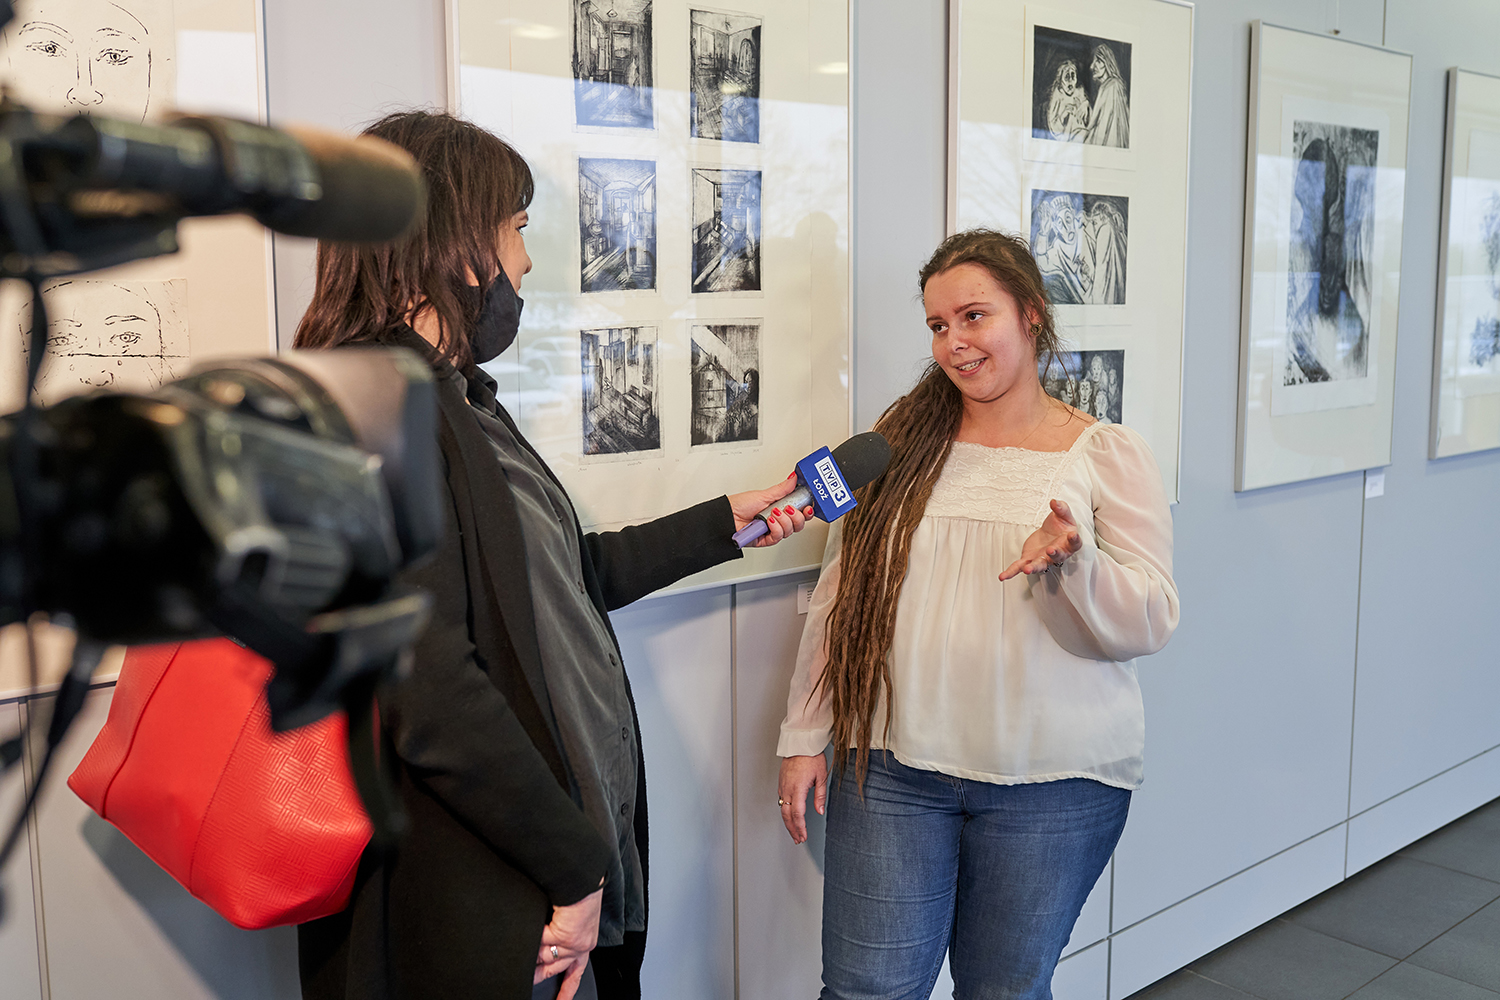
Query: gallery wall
{"type": "Point", "coordinates": [1328, 698]}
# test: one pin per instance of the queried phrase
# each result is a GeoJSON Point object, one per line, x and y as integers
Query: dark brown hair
{"type": "Point", "coordinates": [475, 183]}
{"type": "Point", "coordinates": [920, 427]}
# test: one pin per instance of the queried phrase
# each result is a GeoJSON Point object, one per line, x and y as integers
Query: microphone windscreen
{"type": "Point", "coordinates": [862, 458]}
{"type": "Point", "coordinates": [372, 190]}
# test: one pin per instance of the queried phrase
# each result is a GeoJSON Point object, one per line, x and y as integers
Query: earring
{"type": "Point", "coordinates": [1036, 329]}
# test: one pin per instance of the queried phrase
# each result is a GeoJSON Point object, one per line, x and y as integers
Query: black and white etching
{"type": "Point", "coordinates": [621, 407]}
{"type": "Point", "coordinates": [92, 56]}
{"type": "Point", "coordinates": [726, 230]}
{"type": "Point", "coordinates": [118, 335]}
{"type": "Point", "coordinates": [1331, 252]}
{"type": "Point", "coordinates": [1080, 87]}
{"type": "Point", "coordinates": [612, 63]}
{"type": "Point", "coordinates": [726, 382]}
{"type": "Point", "coordinates": [725, 66]}
{"type": "Point", "coordinates": [1093, 381]}
{"type": "Point", "coordinates": [617, 224]}
{"type": "Point", "coordinates": [1079, 242]}
{"type": "Point", "coordinates": [1484, 342]}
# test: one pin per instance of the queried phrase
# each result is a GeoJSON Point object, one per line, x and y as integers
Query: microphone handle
{"type": "Point", "coordinates": [750, 532]}
{"type": "Point", "coordinates": [799, 498]}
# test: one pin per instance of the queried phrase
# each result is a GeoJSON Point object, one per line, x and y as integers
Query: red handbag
{"type": "Point", "coordinates": [264, 827]}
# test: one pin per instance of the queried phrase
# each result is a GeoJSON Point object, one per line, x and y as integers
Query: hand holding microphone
{"type": "Point", "coordinates": [824, 487]}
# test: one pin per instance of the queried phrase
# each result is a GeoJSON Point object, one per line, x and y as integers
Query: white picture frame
{"type": "Point", "coordinates": [214, 297]}
{"type": "Point", "coordinates": [1466, 350]}
{"type": "Point", "coordinates": [1322, 262]}
{"type": "Point", "coordinates": [733, 283]}
{"type": "Point", "coordinates": [1081, 110]}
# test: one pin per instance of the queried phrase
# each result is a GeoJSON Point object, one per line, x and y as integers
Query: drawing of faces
{"type": "Point", "coordinates": [107, 335]}
{"type": "Point", "coordinates": [88, 56]}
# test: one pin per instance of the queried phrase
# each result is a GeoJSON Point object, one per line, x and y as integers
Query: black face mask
{"type": "Point", "coordinates": [499, 317]}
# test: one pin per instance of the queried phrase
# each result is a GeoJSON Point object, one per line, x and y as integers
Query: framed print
{"type": "Point", "coordinates": [138, 325]}
{"type": "Point", "coordinates": [686, 330]}
{"type": "Point", "coordinates": [1466, 351]}
{"type": "Point", "coordinates": [1322, 270]}
{"type": "Point", "coordinates": [1070, 127]}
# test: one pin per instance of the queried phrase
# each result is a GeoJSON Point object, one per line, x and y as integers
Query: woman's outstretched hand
{"type": "Point", "coordinates": [1050, 545]}
{"type": "Point", "coordinates": [798, 774]}
{"type": "Point", "coordinates": [784, 521]}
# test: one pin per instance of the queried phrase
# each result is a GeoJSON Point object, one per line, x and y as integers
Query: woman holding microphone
{"type": "Point", "coordinates": [518, 748]}
{"type": "Point", "coordinates": [969, 652]}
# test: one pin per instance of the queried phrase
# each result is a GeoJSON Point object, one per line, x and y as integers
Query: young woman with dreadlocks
{"type": "Point", "coordinates": [969, 653]}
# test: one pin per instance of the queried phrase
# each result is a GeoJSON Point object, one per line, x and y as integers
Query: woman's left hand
{"type": "Point", "coordinates": [785, 521]}
{"type": "Point", "coordinates": [1050, 545]}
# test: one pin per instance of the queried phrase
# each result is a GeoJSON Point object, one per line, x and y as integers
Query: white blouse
{"type": "Point", "coordinates": [1032, 679]}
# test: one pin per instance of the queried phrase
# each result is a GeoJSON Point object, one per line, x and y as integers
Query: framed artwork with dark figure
{"type": "Point", "coordinates": [725, 369]}
{"type": "Point", "coordinates": [612, 63]}
{"type": "Point", "coordinates": [616, 224]}
{"type": "Point", "coordinates": [1080, 88]}
{"type": "Point", "coordinates": [1081, 147]}
{"type": "Point", "coordinates": [724, 63]}
{"type": "Point", "coordinates": [1324, 194]}
{"type": "Point", "coordinates": [621, 405]}
{"type": "Point", "coordinates": [1466, 352]}
{"type": "Point", "coordinates": [726, 230]}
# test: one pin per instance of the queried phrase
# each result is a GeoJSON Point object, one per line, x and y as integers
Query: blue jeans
{"type": "Point", "coordinates": [994, 875]}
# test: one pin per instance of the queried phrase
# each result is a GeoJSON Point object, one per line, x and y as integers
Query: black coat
{"type": "Point", "coordinates": [496, 838]}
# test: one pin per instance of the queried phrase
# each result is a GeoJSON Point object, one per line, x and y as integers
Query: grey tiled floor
{"type": "Point", "coordinates": [1424, 924]}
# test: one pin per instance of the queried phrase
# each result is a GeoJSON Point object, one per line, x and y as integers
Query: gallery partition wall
{"type": "Point", "coordinates": [1328, 698]}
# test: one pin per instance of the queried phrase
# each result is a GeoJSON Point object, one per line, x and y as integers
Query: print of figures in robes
{"type": "Point", "coordinates": [1081, 89]}
{"type": "Point", "coordinates": [1329, 293]}
{"type": "Point", "coordinates": [1093, 381]}
{"type": "Point", "coordinates": [1079, 242]}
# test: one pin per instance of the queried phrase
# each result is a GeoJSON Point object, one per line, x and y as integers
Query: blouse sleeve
{"type": "Point", "coordinates": [808, 722]}
{"type": "Point", "coordinates": [1115, 599]}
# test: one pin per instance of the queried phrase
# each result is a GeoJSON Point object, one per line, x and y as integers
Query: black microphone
{"type": "Point", "coordinates": [827, 480]}
{"type": "Point", "coordinates": [303, 182]}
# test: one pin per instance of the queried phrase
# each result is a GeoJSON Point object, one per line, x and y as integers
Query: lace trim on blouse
{"type": "Point", "coordinates": [1009, 485]}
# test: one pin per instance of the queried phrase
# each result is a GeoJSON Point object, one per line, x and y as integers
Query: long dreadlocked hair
{"type": "Point", "coordinates": [920, 427]}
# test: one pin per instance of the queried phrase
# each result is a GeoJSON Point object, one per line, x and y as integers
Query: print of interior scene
{"type": "Point", "coordinates": [612, 62]}
{"type": "Point", "coordinates": [617, 224]}
{"type": "Point", "coordinates": [726, 230]}
{"type": "Point", "coordinates": [726, 383]}
{"type": "Point", "coordinates": [619, 391]}
{"type": "Point", "coordinates": [726, 77]}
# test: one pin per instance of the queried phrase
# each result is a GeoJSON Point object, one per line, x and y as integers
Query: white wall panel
{"type": "Point", "coordinates": [677, 654]}
{"type": "Point", "coordinates": [780, 884]}
{"type": "Point", "coordinates": [20, 966]}
{"type": "Point", "coordinates": [1412, 815]}
{"type": "Point", "coordinates": [900, 87]}
{"type": "Point", "coordinates": [119, 928]}
{"type": "Point", "coordinates": [1429, 636]}
{"type": "Point", "coordinates": [1248, 708]}
{"type": "Point", "coordinates": [341, 64]}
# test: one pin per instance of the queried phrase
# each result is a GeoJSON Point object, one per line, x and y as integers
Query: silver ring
{"type": "Point", "coordinates": [554, 953]}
